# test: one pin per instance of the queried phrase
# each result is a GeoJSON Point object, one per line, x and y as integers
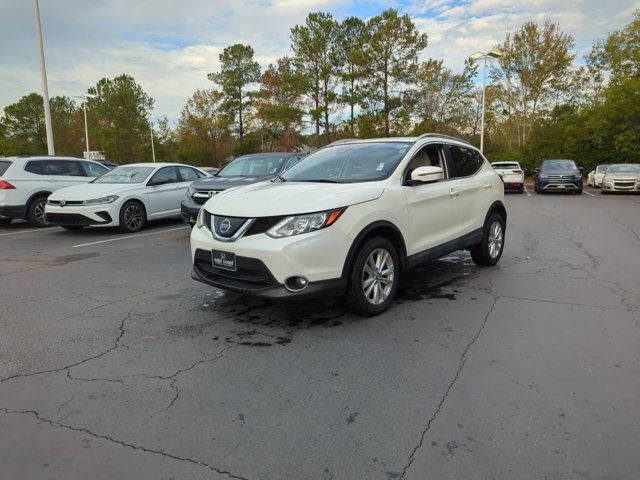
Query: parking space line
{"type": "Point", "coordinates": [589, 193]}
{"type": "Point", "coordinates": [35, 230]}
{"type": "Point", "coordinates": [130, 236]}
{"type": "Point", "coordinates": [527, 191]}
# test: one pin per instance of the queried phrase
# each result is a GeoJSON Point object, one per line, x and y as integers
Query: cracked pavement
{"type": "Point", "coordinates": [115, 364]}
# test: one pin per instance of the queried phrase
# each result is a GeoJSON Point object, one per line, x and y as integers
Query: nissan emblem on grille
{"type": "Point", "coordinates": [225, 226]}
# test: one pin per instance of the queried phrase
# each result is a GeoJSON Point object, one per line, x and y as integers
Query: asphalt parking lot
{"type": "Point", "coordinates": [115, 364]}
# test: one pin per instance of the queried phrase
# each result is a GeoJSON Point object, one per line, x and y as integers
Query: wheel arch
{"type": "Point", "coordinates": [381, 228]}
{"type": "Point", "coordinates": [499, 208]}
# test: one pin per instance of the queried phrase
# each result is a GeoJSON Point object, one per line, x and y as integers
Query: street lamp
{"type": "Point", "coordinates": [153, 149]}
{"type": "Point", "coordinates": [474, 57]}
{"type": "Point", "coordinates": [43, 80]}
{"type": "Point", "coordinates": [85, 96]}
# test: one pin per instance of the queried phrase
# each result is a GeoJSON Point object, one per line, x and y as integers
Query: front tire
{"type": "Point", "coordinates": [35, 212]}
{"type": "Point", "coordinates": [488, 252]}
{"type": "Point", "coordinates": [133, 217]}
{"type": "Point", "coordinates": [374, 277]}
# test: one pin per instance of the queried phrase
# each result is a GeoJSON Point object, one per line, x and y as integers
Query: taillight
{"type": "Point", "coordinates": [4, 185]}
{"type": "Point", "coordinates": [517, 171]}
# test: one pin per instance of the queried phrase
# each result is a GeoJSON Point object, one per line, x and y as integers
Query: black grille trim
{"type": "Point", "coordinates": [71, 219]}
{"type": "Point", "coordinates": [261, 224]}
{"type": "Point", "coordinates": [250, 275]}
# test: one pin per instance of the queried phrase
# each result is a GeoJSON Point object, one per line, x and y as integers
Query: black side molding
{"type": "Point", "coordinates": [466, 241]}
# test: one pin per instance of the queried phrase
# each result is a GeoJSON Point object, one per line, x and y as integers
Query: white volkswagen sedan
{"type": "Point", "coordinates": [125, 197]}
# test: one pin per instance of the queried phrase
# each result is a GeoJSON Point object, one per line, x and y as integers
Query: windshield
{"type": "Point", "coordinates": [559, 165]}
{"type": "Point", "coordinates": [356, 162]}
{"type": "Point", "coordinates": [252, 166]}
{"type": "Point", "coordinates": [601, 168]}
{"type": "Point", "coordinates": [624, 169]}
{"type": "Point", "coordinates": [125, 175]}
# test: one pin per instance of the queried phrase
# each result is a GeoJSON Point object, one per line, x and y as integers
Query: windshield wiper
{"type": "Point", "coordinates": [279, 177]}
{"type": "Point", "coordinates": [321, 180]}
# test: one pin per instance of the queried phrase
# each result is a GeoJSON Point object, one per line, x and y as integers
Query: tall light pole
{"type": "Point", "coordinates": [84, 96]}
{"type": "Point", "coordinates": [474, 57]}
{"type": "Point", "coordinates": [43, 80]}
{"type": "Point", "coordinates": [153, 149]}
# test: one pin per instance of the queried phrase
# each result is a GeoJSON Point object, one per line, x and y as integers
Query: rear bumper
{"type": "Point", "coordinates": [513, 186]}
{"type": "Point", "coordinates": [13, 211]}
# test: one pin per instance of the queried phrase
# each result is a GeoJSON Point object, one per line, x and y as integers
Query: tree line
{"type": "Point", "coordinates": [364, 79]}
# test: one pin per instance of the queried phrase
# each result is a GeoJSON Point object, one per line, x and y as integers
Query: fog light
{"type": "Point", "coordinates": [296, 283]}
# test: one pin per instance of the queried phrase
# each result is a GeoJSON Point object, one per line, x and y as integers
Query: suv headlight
{"type": "Point", "coordinates": [200, 219]}
{"type": "Point", "coordinates": [310, 222]}
{"type": "Point", "coordinates": [577, 176]}
{"type": "Point", "coordinates": [190, 191]}
{"type": "Point", "coordinates": [101, 201]}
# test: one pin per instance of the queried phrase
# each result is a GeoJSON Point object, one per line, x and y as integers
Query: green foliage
{"type": "Point", "coordinates": [238, 69]}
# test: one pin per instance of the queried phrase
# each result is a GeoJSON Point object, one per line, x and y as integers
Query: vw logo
{"type": "Point", "coordinates": [62, 203]}
{"type": "Point", "coordinates": [225, 226]}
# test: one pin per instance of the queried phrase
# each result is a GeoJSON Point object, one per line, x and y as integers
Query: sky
{"type": "Point", "coordinates": [170, 45]}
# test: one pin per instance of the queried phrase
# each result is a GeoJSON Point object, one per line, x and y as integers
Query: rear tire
{"type": "Point", "coordinates": [35, 212]}
{"type": "Point", "coordinates": [374, 277]}
{"type": "Point", "coordinates": [72, 227]}
{"type": "Point", "coordinates": [521, 189]}
{"type": "Point", "coordinates": [133, 217]}
{"type": "Point", "coordinates": [488, 252]}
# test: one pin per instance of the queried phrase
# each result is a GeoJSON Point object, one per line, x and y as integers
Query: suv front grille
{"type": "Point", "coordinates": [201, 196]}
{"type": "Point", "coordinates": [261, 224]}
{"type": "Point", "coordinates": [250, 274]}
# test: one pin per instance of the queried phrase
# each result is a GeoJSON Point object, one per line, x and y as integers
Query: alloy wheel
{"type": "Point", "coordinates": [133, 216]}
{"type": "Point", "coordinates": [496, 239]}
{"type": "Point", "coordinates": [378, 276]}
{"type": "Point", "coordinates": [38, 212]}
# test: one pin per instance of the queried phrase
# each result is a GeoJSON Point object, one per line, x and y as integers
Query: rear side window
{"type": "Point", "coordinates": [3, 166]}
{"type": "Point", "coordinates": [189, 174]}
{"type": "Point", "coordinates": [94, 169]}
{"type": "Point", "coordinates": [55, 167]}
{"type": "Point", "coordinates": [464, 162]}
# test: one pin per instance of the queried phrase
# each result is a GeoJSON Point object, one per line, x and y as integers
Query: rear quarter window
{"type": "Point", "coordinates": [4, 165]}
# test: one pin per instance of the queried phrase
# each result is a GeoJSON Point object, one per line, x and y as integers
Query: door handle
{"type": "Point", "coordinates": [487, 186]}
{"type": "Point", "coordinates": [453, 193]}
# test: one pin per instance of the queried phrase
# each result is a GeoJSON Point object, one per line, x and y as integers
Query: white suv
{"type": "Point", "coordinates": [26, 182]}
{"type": "Point", "coordinates": [349, 218]}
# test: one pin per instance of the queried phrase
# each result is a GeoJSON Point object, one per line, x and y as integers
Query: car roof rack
{"type": "Point", "coordinates": [442, 135]}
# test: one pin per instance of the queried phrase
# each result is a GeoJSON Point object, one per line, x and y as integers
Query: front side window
{"type": "Point", "coordinates": [356, 162]}
{"type": "Point", "coordinates": [463, 162]}
{"type": "Point", "coordinates": [429, 156]}
{"type": "Point", "coordinates": [125, 175]}
{"type": "Point", "coordinates": [252, 166]}
{"type": "Point", "coordinates": [94, 169]}
{"type": "Point", "coordinates": [188, 174]}
{"type": "Point", "coordinates": [165, 175]}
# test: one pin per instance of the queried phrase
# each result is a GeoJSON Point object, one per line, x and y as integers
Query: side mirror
{"type": "Point", "coordinates": [427, 174]}
{"type": "Point", "coordinates": [537, 169]}
{"type": "Point", "coordinates": [153, 183]}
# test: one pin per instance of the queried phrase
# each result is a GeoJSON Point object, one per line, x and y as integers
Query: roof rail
{"type": "Point", "coordinates": [441, 135]}
{"type": "Point", "coordinates": [342, 140]}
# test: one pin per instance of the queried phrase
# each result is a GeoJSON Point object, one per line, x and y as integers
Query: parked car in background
{"type": "Point", "coordinates": [26, 182]}
{"type": "Point", "coordinates": [108, 164]}
{"type": "Point", "coordinates": [210, 170]}
{"type": "Point", "coordinates": [244, 170]}
{"type": "Point", "coordinates": [594, 179]}
{"type": "Point", "coordinates": [558, 176]}
{"type": "Point", "coordinates": [622, 178]}
{"type": "Point", "coordinates": [125, 197]}
{"type": "Point", "coordinates": [512, 174]}
{"type": "Point", "coordinates": [349, 218]}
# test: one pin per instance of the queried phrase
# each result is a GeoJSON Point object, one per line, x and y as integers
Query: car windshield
{"type": "Point", "coordinates": [559, 165]}
{"type": "Point", "coordinates": [252, 166]}
{"type": "Point", "coordinates": [356, 162]}
{"type": "Point", "coordinates": [506, 165]}
{"type": "Point", "coordinates": [601, 168]}
{"type": "Point", "coordinates": [624, 169]}
{"type": "Point", "coordinates": [125, 175]}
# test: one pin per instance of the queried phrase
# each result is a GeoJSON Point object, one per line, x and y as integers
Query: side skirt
{"type": "Point", "coordinates": [466, 241]}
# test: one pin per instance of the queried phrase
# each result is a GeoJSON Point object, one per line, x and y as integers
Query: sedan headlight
{"type": "Point", "coordinates": [310, 222]}
{"type": "Point", "coordinates": [101, 201]}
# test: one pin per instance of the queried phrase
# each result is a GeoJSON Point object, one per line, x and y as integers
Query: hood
{"type": "Point", "coordinates": [268, 199]}
{"type": "Point", "coordinates": [87, 191]}
{"type": "Point", "coordinates": [622, 176]}
{"type": "Point", "coordinates": [222, 183]}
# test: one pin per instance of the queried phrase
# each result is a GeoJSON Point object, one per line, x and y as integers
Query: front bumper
{"type": "Point", "coordinates": [621, 186]}
{"type": "Point", "coordinates": [13, 211]}
{"type": "Point", "coordinates": [557, 185]}
{"type": "Point", "coordinates": [85, 215]}
{"type": "Point", "coordinates": [264, 263]}
{"type": "Point", "coordinates": [189, 211]}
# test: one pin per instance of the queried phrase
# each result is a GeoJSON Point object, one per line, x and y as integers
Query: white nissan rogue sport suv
{"type": "Point", "coordinates": [350, 218]}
